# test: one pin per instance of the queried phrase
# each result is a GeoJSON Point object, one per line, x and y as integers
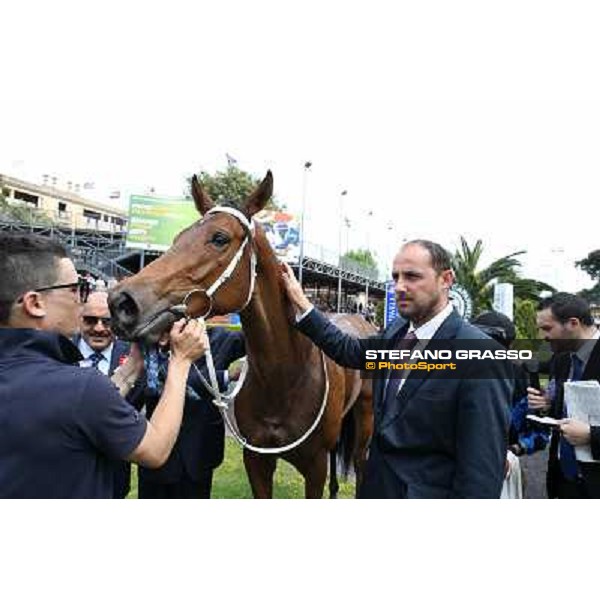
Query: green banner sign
{"type": "Point", "coordinates": [154, 222]}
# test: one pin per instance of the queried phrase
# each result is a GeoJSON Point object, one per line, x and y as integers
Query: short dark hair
{"type": "Point", "coordinates": [498, 326]}
{"type": "Point", "coordinates": [440, 258]}
{"type": "Point", "coordinates": [566, 306]}
{"type": "Point", "coordinates": [27, 262]}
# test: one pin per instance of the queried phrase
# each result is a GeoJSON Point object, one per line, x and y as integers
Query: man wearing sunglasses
{"type": "Point", "coordinates": [96, 342]}
{"type": "Point", "coordinates": [103, 351]}
{"type": "Point", "coordinates": [63, 427]}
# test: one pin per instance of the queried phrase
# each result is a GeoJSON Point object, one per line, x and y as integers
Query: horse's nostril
{"type": "Point", "coordinates": [125, 308]}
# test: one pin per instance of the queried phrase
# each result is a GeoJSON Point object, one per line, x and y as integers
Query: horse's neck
{"type": "Point", "coordinates": [273, 345]}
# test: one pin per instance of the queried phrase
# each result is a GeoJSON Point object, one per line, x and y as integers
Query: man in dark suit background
{"type": "Point", "coordinates": [434, 437]}
{"type": "Point", "coordinates": [566, 323]}
{"type": "Point", "coordinates": [199, 448]}
{"type": "Point", "coordinates": [101, 350]}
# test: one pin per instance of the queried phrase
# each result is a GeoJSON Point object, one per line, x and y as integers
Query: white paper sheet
{"type": "Point", "coordinates": [544, 420]}
{"type": "Point", "coordinates": [582, 399]}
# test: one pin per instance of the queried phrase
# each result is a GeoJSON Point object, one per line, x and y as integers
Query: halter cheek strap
{"type": "Point", "coordinates": [248, 225]}
{"type": "Point", "coordinates": [224, 401]}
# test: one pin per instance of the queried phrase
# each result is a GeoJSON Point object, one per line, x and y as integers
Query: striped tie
{"type": "Point", "coordinates": [408, 342]}
{"type": "Point", "coordinates": [95, 359]}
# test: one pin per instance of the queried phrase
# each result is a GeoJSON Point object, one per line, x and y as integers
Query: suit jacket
{"type": "Point", "coordinates": [201, 440]}
{"type": "Point", "coordinates": [441, 437]}
{"type": "Point", "coordinates": [119, 351]}
{"type": "Point", "coordinates": [589, 471]}
{"type": "Point", "coordinates": [122, 477]}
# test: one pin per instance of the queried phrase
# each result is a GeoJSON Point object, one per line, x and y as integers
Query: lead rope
{"type": "Point", "coordinates": [224, 401]}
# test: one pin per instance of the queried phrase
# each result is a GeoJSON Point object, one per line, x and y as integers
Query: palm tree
{"type": "Point", "coordinates": [479, 283]}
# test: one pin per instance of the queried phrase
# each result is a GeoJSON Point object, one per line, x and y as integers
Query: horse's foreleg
{"type": "Point", "coordinates": [363, 419]}
{"type": "Point", "coordinates": [260, 469]}
{"type": "Point", "coordinates": [315, 475]}
{"type": "Point", "coordinates": [333, 480]}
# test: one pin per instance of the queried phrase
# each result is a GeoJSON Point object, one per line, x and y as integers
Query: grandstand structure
{"type": "Point", "coordinates": [104, 255]}
{"type": "Point", "coordinates": [95, 235]}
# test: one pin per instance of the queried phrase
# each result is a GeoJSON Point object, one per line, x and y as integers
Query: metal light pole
{"type": "Point", "coordinates": [339, 297]}
{"type": "Point", "coordinates": [307, 166]}
{"type": "Point", "coordinates": [368, 220]}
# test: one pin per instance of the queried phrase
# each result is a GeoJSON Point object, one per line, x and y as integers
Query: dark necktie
{"type": "Point", "coordinates": [577, 368]}
{"type": "Point", "coordinates": [408, 342]}
{"type": "Point", "coordinates": [95, 359]}
{"type": "Point", "coordinates": [568, 460]}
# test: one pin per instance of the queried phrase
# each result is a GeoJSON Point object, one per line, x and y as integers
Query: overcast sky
{"type": "Point", "coordinates": [441, 118]}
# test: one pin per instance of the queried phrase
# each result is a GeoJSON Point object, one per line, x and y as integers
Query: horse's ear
{"type": "Point", "coordinates": [202, 200]}
{"type": "Point", "coordinates": [260, 196]}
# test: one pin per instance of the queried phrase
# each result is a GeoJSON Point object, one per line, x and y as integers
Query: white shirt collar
{"type": "Point", "coordinates": [86, 351]}
{"type": "Point", "coordinates": [429, 329]}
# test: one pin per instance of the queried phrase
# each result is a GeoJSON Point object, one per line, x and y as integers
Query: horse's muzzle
{"type": "Point", "coordinates": [125, 313]}
{"type": "Point", "coordinates": [131, 323]}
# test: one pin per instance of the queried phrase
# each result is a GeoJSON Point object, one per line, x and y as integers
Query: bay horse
{"type": "Point", "coordinates": [210, 268]}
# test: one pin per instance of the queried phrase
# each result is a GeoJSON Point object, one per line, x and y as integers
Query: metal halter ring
{"type": "Point", "coordinates": [182, 308]}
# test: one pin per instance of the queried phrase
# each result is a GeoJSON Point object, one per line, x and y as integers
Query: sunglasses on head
{"type": "Point", "coordinates": [91, 321]}
{"type": "Point", "coordinates": [82, 286]}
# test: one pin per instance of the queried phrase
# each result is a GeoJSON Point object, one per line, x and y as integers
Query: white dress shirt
{"type": "Point", "coordinates": [424, 333]}
{"type": "Point", "coordinates": [86, 351]}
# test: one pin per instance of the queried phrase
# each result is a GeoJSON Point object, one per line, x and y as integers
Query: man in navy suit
{"type": "Point", "coordinates": [566, 322]}
{"type": "Point", "coordinates": [434, 437]}
{"type": "Point", "coordinates": [101, 350]}
{"type": "Point", "coordinates": [199, 448]}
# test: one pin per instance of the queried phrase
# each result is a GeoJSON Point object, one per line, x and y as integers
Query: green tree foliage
{"type": "Point", "coordinates": [592, 295]}
{"type": "Point", "coordinates": [525, 319]}
{"type": "Point", "coordinates": [591, 264]}
{"type": "Point", "coordinates": [232, 185]}
{"type": "Point", "coordinates": [364, 257]}
{"type": "Point", "coordinates": [479, 282]}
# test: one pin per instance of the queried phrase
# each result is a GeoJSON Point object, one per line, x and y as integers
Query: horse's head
{"type": "Point", "coordinates": [209, 269]}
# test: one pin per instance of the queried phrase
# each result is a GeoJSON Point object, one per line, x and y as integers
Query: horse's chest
{"type": "Point", "coordinates": [268, 418]}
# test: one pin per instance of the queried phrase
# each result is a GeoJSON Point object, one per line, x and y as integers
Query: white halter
{"type": "Point", "coordinates": [248, 226]}
{"type": "Point", "coordinates": [224, 401]}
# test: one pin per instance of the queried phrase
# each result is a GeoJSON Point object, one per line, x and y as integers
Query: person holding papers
{"type": "Point", "coordinates": [566, 322]}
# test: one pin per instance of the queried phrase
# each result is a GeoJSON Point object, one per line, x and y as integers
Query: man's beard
{"type": "Point", "coordinates": [564, 345]}
{"type": "Point", "coordinates": [420, 313]}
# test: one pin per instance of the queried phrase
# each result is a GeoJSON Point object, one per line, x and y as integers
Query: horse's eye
{"type": "Point", "coordinates": [219, 239]}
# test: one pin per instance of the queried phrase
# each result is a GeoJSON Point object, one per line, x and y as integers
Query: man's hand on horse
{"type": "Point", "coordinates": [189, 340]}
{"type": "Point", "coordinates": [294, 290]}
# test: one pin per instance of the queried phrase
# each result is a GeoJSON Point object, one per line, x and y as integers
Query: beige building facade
{"type": "Point", "coordinates": [65, 208]}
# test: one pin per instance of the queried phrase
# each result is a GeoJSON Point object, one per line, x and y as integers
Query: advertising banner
{"type": "Point", "coordinates": [154, 222]}
{"type": "Point", "coordinates": [283, 232]}
{"type": "Point", "coordinates": [390, 309]}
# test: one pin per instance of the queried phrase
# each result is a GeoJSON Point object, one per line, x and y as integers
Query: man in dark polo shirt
{"type": "Point", "coordinates": [61, 426]}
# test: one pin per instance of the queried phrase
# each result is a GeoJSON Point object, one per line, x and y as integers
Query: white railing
{"type": "Point", "coordinates": [332, 257]}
